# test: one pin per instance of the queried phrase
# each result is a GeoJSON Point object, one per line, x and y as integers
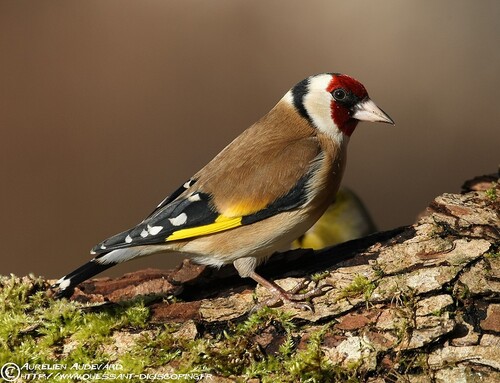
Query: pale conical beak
{"type": "Point", "coordinates": [366, 110]}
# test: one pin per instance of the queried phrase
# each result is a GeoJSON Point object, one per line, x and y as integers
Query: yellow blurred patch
{"type": "Point", "coordinates": [346, 219]}
{"type": "Point", "coordinates": [221, 223]}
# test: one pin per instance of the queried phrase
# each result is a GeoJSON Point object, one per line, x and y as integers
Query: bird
{"type": "Point", "coordinates": [263, 190]}
{"type": "Point", "coordinates": [345, 219]}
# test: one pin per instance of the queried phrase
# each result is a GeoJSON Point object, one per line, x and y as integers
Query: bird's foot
{"type": "Point", "coordinates": [296, 297]}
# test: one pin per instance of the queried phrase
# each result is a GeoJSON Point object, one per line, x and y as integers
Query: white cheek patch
{"type": "Point", "coordinates": [317, 103]}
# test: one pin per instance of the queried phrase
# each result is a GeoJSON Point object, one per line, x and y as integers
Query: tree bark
{"type": "Point", "coordinates": [418, 303]}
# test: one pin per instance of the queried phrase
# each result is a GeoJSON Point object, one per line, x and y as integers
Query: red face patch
{"type": "Point", "coordinates": [349, 84]}
{"type": "Point", "coordinates": [341, 114]}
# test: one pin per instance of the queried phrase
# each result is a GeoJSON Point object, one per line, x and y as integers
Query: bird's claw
{"type": "Point", "coordinates": [294, 295]}
{"type": "Point", "coordinates": [279, 301]}
{"type": "Point", "coordinates": [294, 298]}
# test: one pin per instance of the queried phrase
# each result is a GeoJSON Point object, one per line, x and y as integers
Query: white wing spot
{"type": "Point", "coordinates": [154, 230]}
{"type": "Point", "coordinates": [194, 197]}
{"type": "Point", "coordinates": [64, 283]}
{"type": "Point", "coordinates": [187, 185]}
{"type": "Point", "coordinates": [128, 239]}
{"type": "Point", "coordinates": [144, 233]}
{"type": "Point", "coordinates": [179, 220]}
{"type": "Point", "coordinates": [103, 247]}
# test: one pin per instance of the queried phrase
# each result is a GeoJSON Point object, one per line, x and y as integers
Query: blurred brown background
{"type": "Point", "coordinates": [107, 106]}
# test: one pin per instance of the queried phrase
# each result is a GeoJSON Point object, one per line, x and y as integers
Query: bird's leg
{"type": "Point", "coordinates": [293, 296]}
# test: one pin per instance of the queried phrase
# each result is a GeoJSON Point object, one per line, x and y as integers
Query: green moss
{"type": "Point", "coordinates": [403, 330]}
{"type": "Point", "coordinates": [35, 328]}
{"type": "Point", "coordinates": [306, 365]}
{"type": "Point", "coordinates": [319, 276]}
{"type": "Point", "coordinates": [263, 318]}
{"type": "Point", "coordinates": [309, 364]}
{"type": "Point", "coordinates": [438, 313]}
{"type": "Point", "coordinates": [359, 285]}
{"type": "Point", "coordinates": [462, 292]}
{"type": "Point", "coordinates": [234, 349]}
{"type": "Point", "coordinates": [491, 193]}
{"type": "Point", "coordinates": [287, 347]}
{"type": "Point", "coordinates": [379, 272]}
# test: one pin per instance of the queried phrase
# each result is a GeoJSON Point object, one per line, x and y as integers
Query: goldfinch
{"type": "Point", "coordinates": [262, 191]}
{"type": "Point", "coordinates": [345, 219]}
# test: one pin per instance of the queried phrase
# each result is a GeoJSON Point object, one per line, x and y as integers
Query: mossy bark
{"type": "Point", "coordinates": [415, 304]}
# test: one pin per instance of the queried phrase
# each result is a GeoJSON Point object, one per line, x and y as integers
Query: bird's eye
{"type": "Point", "coordinates": [339, 94]}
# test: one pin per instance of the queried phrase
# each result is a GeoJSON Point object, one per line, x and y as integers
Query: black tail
{"type": "Point", "coordinates": [68, 283]}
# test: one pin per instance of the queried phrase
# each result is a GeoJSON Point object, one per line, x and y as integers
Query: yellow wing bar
{"type": "Point", "coordinates": [221, 223]}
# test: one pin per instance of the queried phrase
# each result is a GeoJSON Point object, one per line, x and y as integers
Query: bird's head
{"type": "Point", "coordinates": [334, 103]}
